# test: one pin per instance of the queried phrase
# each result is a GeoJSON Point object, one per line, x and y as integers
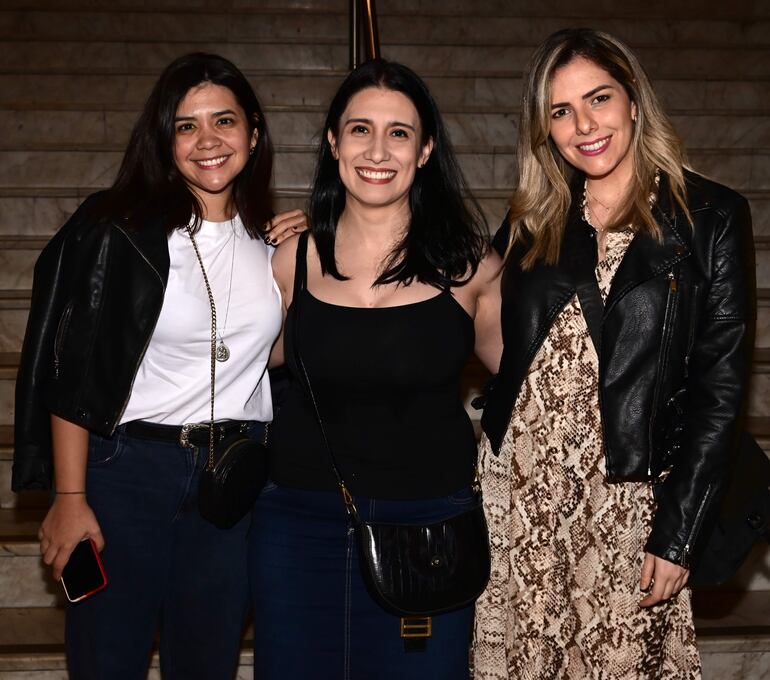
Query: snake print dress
{"type": "Point", "coordinates": [567, 546]}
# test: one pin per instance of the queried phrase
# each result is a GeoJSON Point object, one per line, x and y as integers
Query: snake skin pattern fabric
{"type": "Point", "coordinates": [567, 546]}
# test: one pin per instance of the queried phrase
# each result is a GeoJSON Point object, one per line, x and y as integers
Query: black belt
{"type": "Point", "coordinates": [188, 435]}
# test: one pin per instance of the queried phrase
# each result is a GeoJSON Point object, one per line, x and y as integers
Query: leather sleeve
{"type": "Point", "coordinates": [32, 467]}
{"type": "Point", "coordinates": [718, 372]}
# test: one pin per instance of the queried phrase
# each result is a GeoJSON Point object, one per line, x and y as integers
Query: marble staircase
{"type": "Point", "coordinates": [74, 75]}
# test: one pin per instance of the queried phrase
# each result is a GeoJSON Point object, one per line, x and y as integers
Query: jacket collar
{"type": "Point", "coordinates": [151, 242]}
{"type": "Point", "coordinates": [646, 257]}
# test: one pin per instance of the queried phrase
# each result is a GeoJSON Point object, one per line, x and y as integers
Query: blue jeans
{"type": "Point", "coordinates": [167, 568]}
{"type": "Point", "coordinates": [313, 617]}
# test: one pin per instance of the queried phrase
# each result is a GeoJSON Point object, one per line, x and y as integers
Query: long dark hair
{"type": "Point", "coordinates": [148, 182]}
{"type": "Point", "coordinates": [446, 238]}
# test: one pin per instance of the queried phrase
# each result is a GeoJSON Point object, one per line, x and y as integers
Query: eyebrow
{"type": "Point", "coordinates": [369, 121]}
{"type": "Point", "coordinates": [587, 95]}
{"type": "Point", "coordinates": [213, 115]}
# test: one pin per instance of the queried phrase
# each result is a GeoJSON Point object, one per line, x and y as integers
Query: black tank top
{"type": "Point", "coordinates": [387, 382]}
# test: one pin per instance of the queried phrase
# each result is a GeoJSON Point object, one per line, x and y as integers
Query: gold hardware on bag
{"type": "Point", "coordinates": [346, 496]}
{"type": "Point", "coordinates": [416, 626]}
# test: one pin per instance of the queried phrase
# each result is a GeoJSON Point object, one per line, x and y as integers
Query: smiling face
{"type": "Point", "coordinates": [212, 140]}
{"type": "Point", "coordinates": [592, 121]}
{"type": "Point", "coordinates": [379, 147]}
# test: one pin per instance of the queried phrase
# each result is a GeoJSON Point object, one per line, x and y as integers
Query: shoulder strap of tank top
{"type": "Point", "coordinates": [300, 266]}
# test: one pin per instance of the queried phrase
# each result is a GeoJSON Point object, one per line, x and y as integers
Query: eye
{"type": "Point", "coordinates": [359, 129]}
{"type": "Point", "coordinates": [600, 98]}
{"type": "Point", "coordinates": [184, 127]}
{"type": "Point", "coordinates": [559, 113]}
{"type": "Point", "coordinates": [400, 132]}
{"type": "Point", "coordinates": [225, 121]}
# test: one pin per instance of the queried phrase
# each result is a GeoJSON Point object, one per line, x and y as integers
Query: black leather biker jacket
{"type": "Point", "coordinates": [674, 354]}
{"type": "Point", "coordinates": [97, 293]}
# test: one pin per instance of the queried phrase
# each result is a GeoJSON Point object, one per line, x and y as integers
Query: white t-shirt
{"type": "Point", "coordinates": [172, 385]}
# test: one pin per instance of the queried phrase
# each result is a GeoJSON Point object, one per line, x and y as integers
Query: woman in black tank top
{"type": "Point", "coordinates": [396, 288]}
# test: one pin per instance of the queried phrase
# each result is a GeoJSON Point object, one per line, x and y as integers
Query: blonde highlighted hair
{"type": "Point", "coordinates": [542, 199]}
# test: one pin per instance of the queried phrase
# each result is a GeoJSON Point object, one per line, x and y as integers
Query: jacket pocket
{"type": "Point", "coordinates": [61, 333]}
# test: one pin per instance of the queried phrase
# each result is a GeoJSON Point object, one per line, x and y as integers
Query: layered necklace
{"type": "Point", "coordinates": [586, 211]}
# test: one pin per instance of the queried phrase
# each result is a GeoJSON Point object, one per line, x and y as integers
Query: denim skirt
{"type": "Point", "coordinates": [313, 616]}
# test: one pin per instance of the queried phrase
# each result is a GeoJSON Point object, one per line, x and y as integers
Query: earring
{"type": "Point", "coordinates": [251, 150]}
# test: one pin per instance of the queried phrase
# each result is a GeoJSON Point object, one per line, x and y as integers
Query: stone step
{"type": "Point", "coordinates": [14, 309]}
{"type": "Point", "coordinates": [113, 92]}
{"type": "Point", "coordinates": [759, 393]}
{"type": "Point", "coordinates": [762, 252]}
{"type": "Point", "coordinates": [733, 637]}
{"type": "Point", "coordinates": [256, 25]}
{"type": "Point", "coordinates": [110, 130]}
{"type": "Point", "coordinates": [136, 57]}
{"type": "Point", "coordinates": [594, 9]}
{"type": "Point", "coordinates": [32, 647]}
{"type": "Point", "coordinates": [488, 168]}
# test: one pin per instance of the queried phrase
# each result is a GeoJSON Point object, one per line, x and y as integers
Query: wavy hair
{"type": "Point", "coordinates": [542, 199]}
{"type": "Point", "coordinates": [446, 236]}
{"type": "Point", "coordinates": [148, 183]}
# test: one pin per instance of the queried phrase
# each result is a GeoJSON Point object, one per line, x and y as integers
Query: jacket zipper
{"type": "Point", "coordinates": [668, 319]}
{"type": "Point", "coordinates": [149, 336]}
{"type": "Point", "coordinates": [695, 527]}
{"type": "Point", "coordinates": [61, 331]}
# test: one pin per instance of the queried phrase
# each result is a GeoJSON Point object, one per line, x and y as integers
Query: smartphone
{"type": "Point", "coordinates": [84, 574]}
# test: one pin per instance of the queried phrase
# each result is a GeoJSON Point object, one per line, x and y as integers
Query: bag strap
{"type": "Point", "coordinates": [300, 283]}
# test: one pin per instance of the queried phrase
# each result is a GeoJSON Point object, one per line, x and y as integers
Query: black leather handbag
{"type": "Point", "coordinates": [425, 569]}
{"type": "Point", "coordinates": [229, 487]}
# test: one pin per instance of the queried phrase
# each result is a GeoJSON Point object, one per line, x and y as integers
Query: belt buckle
{"type": "Point", "coordinates": [184, 434]}
{"type": "Point", "coordinates": [416, 626]}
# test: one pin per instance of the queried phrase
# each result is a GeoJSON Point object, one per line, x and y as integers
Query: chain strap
{"type": "Point", "coordinates": [210, 464]}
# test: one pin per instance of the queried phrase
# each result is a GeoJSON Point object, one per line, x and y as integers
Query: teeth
{"type": "Point", "coordinates": [376, 174]}
{"type": "Point", "coordinates": [211, 162]}
{"type": "Point", "coordinates": [593, 147]}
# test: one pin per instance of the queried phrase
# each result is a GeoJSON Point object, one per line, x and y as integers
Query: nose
{"type": "Point", "coordinates": [584, 122]}
{"type": "Point", "coordinates": [208, 138]}
{"type": "Point", "coordinates": [377, 151]}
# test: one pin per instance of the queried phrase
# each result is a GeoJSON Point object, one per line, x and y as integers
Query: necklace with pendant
{"type": "Point", "coordinates": [223, 351]}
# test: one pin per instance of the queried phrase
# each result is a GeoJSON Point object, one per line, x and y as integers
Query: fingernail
{"type": "Point", "coordinates": [266, 238]}
{"type": "Point", "coordinates": [274, 241]}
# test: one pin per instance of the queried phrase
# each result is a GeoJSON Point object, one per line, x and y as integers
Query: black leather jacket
{"type": "Point", "coordinates": [97, 294]}
{"type": "Point", "coordinates": [675, 350]}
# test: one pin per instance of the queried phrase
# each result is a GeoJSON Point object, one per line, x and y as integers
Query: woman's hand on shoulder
{"type": "Point", "coordinates": [486, 285]}
{"type": "Point", "coordinates": [663, 579]}
{"type": "Point", "coordinates": [285, 225]}
{"type": "Point", "coordinates": [69, 520]}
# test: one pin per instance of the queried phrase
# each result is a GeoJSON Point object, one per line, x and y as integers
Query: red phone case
{"type": "Point", "coordinates": [86, 572]}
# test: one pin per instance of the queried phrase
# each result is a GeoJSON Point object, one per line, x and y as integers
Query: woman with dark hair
{"type": "Point", "coordinates": [388, 297]}
{"type": "Point", "coordinates": [114, 387]}
{"type": "Point", "coordinates": [627, 297]}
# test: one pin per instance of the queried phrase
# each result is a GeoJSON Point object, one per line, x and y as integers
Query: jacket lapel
{"type": "Point", "coordinates": [647, 257]}
{"type": "Point", "coordinates": [578, 255]}
{"type": "Point", "coordinates": [152, 243]}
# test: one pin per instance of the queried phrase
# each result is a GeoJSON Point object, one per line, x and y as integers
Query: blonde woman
{"type": "Point", "coordinates": [626, 301]}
